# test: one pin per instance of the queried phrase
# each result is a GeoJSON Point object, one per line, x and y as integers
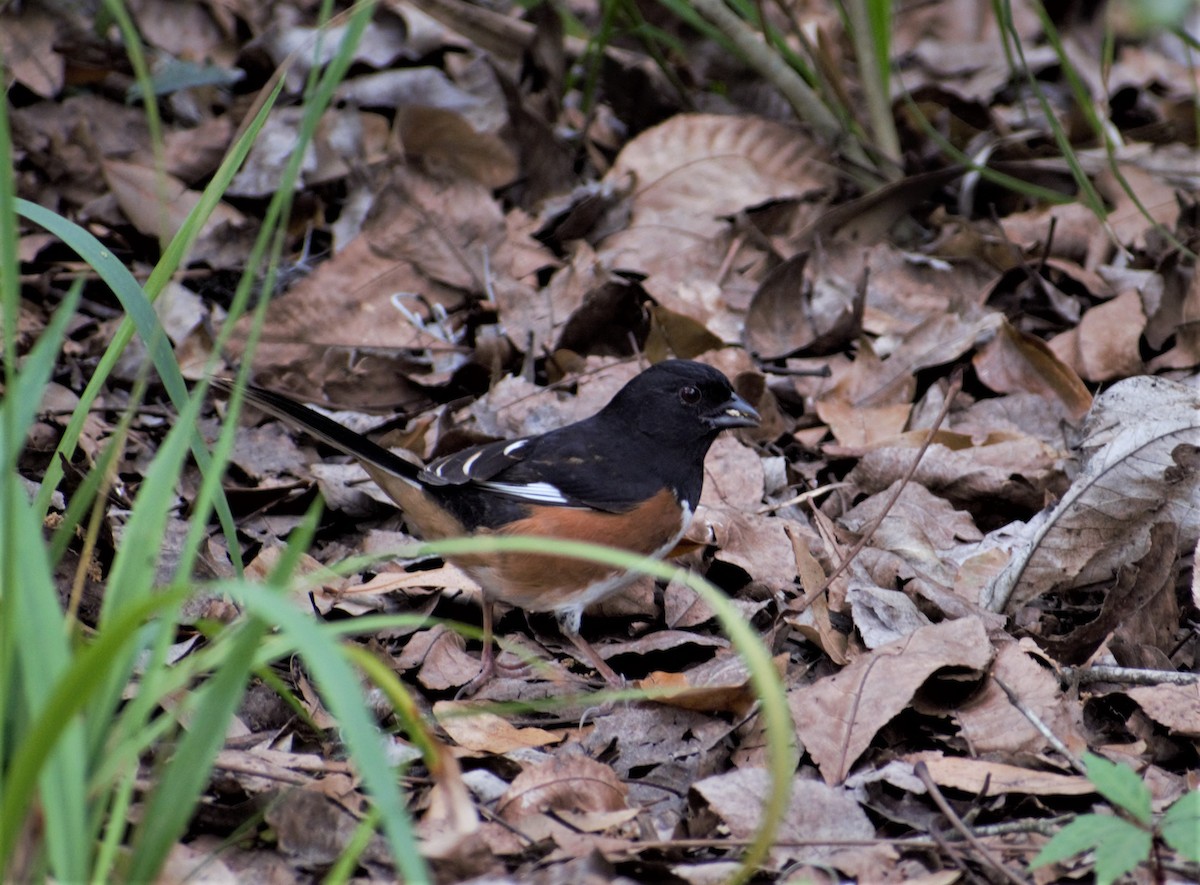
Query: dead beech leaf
{"type": "Point", "coordinates": [919, 526]}
{"type": "Point", "coordinates": [756, 544]}
{"type": "Point", "coordinates": [487, 732]}
{"type": "Point", "coordinates": [817, 814]}
{"type": "Point", "coordinates": [1105, 343]}
{"type": "Point", "coordinates": [1003, 466]}
{"type": "Point", "coordinates": [314, 830]}
{"type": "Point", "coordinates": [1013, 361]}
{"type": "Point", "coordinates": [27, 44]}
{"type": "Point", "coordinates": [722, 684]}
{"type": "Point", "coordinates": [994, 728]}
{"type": "Point", "coordinates": [793, 312]}
{"type": "Point", "coordinates": [866, 220]}
{"type": "Point", "coordinates": [1174, 312]}
{"type": "Point", "coordinates": [448, 143]}
{"type": "Point", "coordinates": [565, 783]}
{"type": "Point", "coordinates": [1139, 448]}
{"type": "Point", "coordinates": [693, 171]}
{"type": "Point", "coordinates": [974, 775]}
{"type": "Point", "coordinates": [200, 860]}
{"type": "Point", "coordinates": [157, 203]}
{"type": "Point", "coordinates": [1177, 707]}
{"type": "Point", "coordinates": [838, 716]}
{"type": "Point", "coordinates": [868, 403]}
{"type": "Point", "coordinates": [677, 334]}
{"type": "Point", "coordinates": [882, 616]}
{"type": "Point", "coordinates": [450, 826]}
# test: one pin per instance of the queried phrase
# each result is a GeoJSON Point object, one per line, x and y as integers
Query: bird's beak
{"type": "Point", "coordinates": [734, 412]}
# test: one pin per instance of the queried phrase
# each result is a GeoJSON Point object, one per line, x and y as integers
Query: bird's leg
{"type": "Point", "coordinates": [487, 660]}
{"type": "Point", "coordinates": [568, 622]}
{"type": "Point", "coordinates": [488, 665]}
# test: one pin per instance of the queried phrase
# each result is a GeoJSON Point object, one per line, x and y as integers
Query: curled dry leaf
{"type": "Point", "coordinates": [1175, 706]}
{"type": "Point", "coordinates": [869, 402]}
{"type": "Point", "coordinates": [568, 783]}
{"type": "Point", "coordinates": [817, 815]}
{"type": "Point", "coordinates": [157, 204]}
{"type": "Point", "coordinates": [694, 170]}
{"type": "Point", "coordinates": [1001, 467]}
{"type": "Point", "coordinates": [315, 831]}
{"type": "Point", "coordinates": [1106, 342]}
{"type": "Point", "coordinates": [722, 684]}
{"type": "Point", "coordinates": [1140, 443]}
{"type": "Point", "coordinates": [487, 732]}
{"type": "Point", "coordinates": [837, 717]}
{"type": "Point", "coordinates": [793, 312]}
{"type": "Point", "coordinates": [979, 777]}
{"type": "Point", "coordinates": [1014, 361]}
{"type": "Point", "coordinates": [993, 727]}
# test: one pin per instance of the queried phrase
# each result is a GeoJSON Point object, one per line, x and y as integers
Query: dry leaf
{"type": "Point", "coordinates": [1140, 443]}
{"type": "Point", "coordinates": [564, 783]}
{"type": "Point", "coordinates": [816, 814]}
{"type": "Point", "coordinates": [979, 777]}
{"type": "Point", "coordinates": [487, 732]}
{"type": "Point", "coordinates": [838, 716]}
{"type": "Point", "coordinates": [1175, 706]}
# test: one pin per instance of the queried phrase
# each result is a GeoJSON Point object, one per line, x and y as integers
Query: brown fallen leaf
{"type": "Point", "coordinates": [868, 403]}
{"type": "Point", "coordinates": [795, 312]}
{"type": "Point", "coordinates": [486, 732]}
{"type": "Point", "coordinates": [314, 831]}
{"type": "Point", "coordinates": [694, 169]}
{"type": "Point", "coordinates": [980, 777]}
{"type": "Point", "coordinates": [720, 685]}
{"type": "Point", "coordinates": [994, 728]}
{"type": "Point", "coordinates": [1139, 445]}
{"type": "Point", "coordinates": [1177, 707]}
{"type": "Point", "coordinates": [1015, 361]}
{"type": "Point", "coordinates": [1105, 344]}
{"type": "Point", "coordinates": [569, 783]}
{"type": "Point", "coordinates": [817, 814]}
{"type": "Point", "coordinates": [838, 716]}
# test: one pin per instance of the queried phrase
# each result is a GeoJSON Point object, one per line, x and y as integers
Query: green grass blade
{"type": "Point", "coordinates": [54, 723]}
{"type": "Point", "coordinates": [23, 394]}
{"type": "Point", "coordinates": [41, 654]}
{"type": "Point", "coordinates": [182, 778]}
{"type": "Point", "coordinates": [342, 693]}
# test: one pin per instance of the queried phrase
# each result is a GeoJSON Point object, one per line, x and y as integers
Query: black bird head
{"type": "Point", "coordinates": [681, 402]}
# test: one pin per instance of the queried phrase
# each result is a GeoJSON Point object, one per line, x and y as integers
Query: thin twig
{"type": "Point", "coordinates": [1042, 728]}
{"type": "Point", "coordinates": [803, 496]}
{"type": "Point", "coordinates": [922, 771]}
{"type": "Point", "coordinates": [1128, 675]}
{"type": "Point", "coordinates": [869, 531]}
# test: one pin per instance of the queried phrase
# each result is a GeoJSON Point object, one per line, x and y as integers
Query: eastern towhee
{"type": "Point", "coordinates": [629, 477]}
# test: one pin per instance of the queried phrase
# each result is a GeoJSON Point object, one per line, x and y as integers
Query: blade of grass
{"type": "Point", "coordinates": [342, 692]}
{"type": "Point", "coordinates": [51, 728]}
{"type": "Point", "coordinates": [42, 654]}
{"type": "Point", "coordinates": [184, 775]}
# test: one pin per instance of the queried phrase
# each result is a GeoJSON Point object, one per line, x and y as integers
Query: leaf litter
{"type": "Point", "coordinates": [472, 257]}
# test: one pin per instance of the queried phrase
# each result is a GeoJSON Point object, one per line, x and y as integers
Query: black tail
{"type": "Point", "coordinates": [324, 429]}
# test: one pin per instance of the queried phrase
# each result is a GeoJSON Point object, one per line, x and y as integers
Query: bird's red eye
{"type": "Point", "coordinates": [689, 395]}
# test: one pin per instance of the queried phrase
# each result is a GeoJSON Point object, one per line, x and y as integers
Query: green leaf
{"type": "Point", "coordinates": [1120, 785]}
{"type": "Point", "coordinates": [1123, 847]}
{"type": "Point", "coordinates": [1080, 835]}
{"type": "Point", "coordinates": [1181, 826]}
{"type": "Point", "coordinates": [1119, 845]}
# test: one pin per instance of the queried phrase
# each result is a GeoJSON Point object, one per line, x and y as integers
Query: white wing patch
{"type": "Point", "coordinates": [538, 492]}
{"type": "Point", "coordinates": [466, 465]}
{"type": "Point", "coordinates": [515, 446]}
